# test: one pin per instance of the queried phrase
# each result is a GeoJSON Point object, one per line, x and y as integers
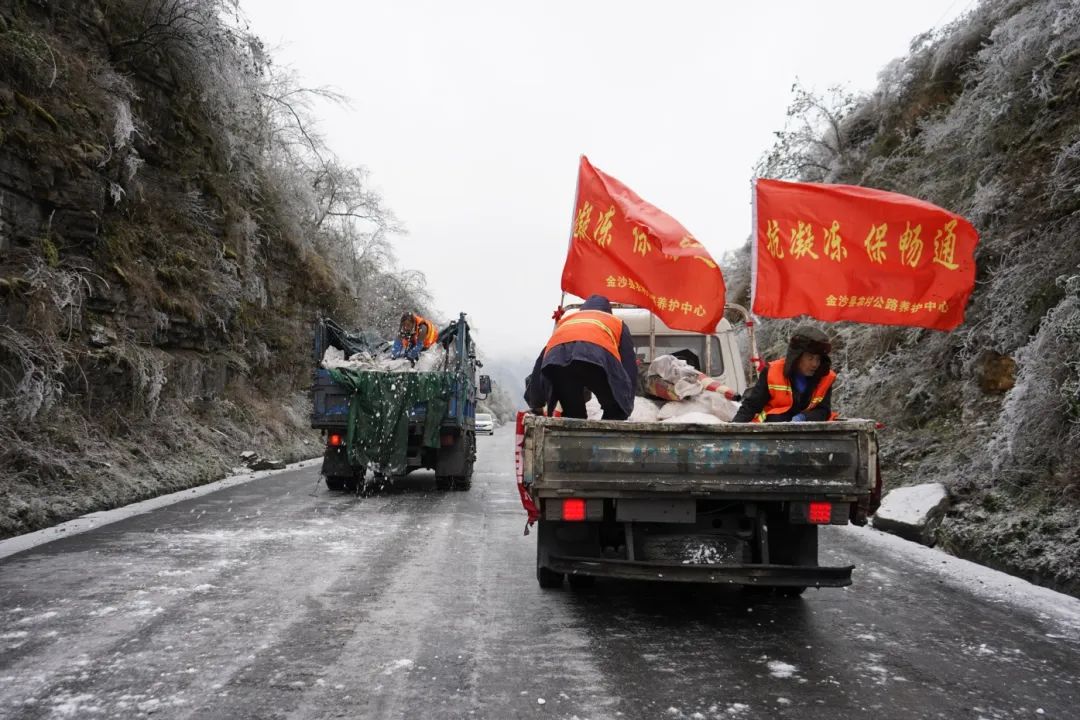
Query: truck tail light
{"type": "Point", "coordinates": [335, 440]}
{"type": "Point", "coordinates": [573, 509]}
{"type": "Point", "coordinates": [447, 440]}
{"type": "Point", "coordinates": [820, 513]}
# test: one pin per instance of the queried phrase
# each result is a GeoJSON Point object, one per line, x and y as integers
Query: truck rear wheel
{"type": "Point", "coordinates": [464, 481]}
{"type": "Point", "coordinates": [346, 483]}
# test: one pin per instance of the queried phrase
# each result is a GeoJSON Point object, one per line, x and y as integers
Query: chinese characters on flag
{"type": "Point", "coordinates": [631, 252]}
{"type": "Point", "coordinates": [841, 252]}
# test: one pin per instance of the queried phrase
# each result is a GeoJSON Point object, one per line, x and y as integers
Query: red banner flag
{"type": "Point", "coordinates": [842, 252]}
{"type": "Point", "coordinates": [631, 252]}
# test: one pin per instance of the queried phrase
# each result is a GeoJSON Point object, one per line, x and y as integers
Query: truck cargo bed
{"type": "Point", "coordinates": [764, 461]}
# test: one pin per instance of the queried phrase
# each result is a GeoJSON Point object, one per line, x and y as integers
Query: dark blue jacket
{"type": "Point", "coordinates": [621, 376]}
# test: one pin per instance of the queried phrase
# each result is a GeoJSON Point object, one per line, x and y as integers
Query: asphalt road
{"type": "Point", "coordinates": [279, 599]}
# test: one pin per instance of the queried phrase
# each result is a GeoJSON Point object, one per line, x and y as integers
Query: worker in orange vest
{"type": "Point", "coordinates": [415, 335]}
{"type": "Point", "coordinates": [797, 388]}
{"type": "Point", "coordinates": [591, 350]}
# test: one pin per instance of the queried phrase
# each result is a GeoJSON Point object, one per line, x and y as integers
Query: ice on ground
{"type": "Point", "coordinates": [781, 669]}
{"type": "Point", "coordinates": [403, 664]}
{"type": "Point", "coordinates": [36, 619]}
{"type": "Point", "coordinates": [986, 582]}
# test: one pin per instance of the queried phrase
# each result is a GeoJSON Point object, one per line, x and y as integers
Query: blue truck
{"type": "Point", "coordinates": [391, 423]}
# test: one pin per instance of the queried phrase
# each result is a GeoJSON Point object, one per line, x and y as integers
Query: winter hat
{"type": "Point", "coordinates": [808, 338]}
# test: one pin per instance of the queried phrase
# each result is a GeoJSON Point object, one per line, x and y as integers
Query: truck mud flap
{"type": "Point", "coordinates": [763, 575]}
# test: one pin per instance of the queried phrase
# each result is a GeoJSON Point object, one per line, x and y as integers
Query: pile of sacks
{"type": "Point", "coordinates": [673, 391]}
{"type": "Point", "coordinates": [434, 358]}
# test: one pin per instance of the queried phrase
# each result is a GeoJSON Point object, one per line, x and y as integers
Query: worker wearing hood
{"type": "Point", "coordinates": [590, 350]}
{"type": "Point", "coordinates": [797, 388]}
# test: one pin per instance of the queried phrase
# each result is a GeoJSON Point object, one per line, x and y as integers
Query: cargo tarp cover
{"type": "Point", "coordinates": [378, 431]}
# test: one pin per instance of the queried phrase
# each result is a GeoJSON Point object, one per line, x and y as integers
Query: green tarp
{"type": "Point", "coordinates": [379, 413]}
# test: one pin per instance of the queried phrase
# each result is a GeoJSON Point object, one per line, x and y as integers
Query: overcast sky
{"type": "Point", "coordinates": [471, 117]}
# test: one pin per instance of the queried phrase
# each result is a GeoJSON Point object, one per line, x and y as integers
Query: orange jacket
{"type": "Point", "coordinates": [429, 336]}
{"type": "Point", "coordinates": [591, 326]}
{"type": "Point", "coordinates": [780, 395]}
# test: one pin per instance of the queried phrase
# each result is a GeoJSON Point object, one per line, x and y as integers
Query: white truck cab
{"type": "Point", "coordinates": [717, 354]}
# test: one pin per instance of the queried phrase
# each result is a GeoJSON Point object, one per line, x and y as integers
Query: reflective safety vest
{"type": "Point", "coordinates": [592, 326]}
{"type": "Point", "coordinates": [781, 397]}
{"type": "Point", "coordinates": [429, 337]}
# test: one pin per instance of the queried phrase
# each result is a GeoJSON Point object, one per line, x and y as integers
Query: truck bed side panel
{"type": "Point", "coordinates": [751, 460]}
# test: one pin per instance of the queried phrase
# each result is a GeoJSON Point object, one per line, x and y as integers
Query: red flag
{"type": "Point", "coordinates": [631, 252]}
{"type": "Point", "coordinates": [842, 252]}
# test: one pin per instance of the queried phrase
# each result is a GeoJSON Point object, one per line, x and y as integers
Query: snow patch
{"type": "Point", "coordinates": [403, 664]}
{"type": "Point", "coordinates": [1063, 610]}
{"type": "Point", "coordinates": [74, 705]}
{"type": "Point", "coordinates": [781, 669]}
{"type": "Point", "coordinates": [35, 619]}
{"type": "Point", "coordinates": [911, 505]}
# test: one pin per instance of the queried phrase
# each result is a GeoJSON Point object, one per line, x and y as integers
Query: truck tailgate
{"type": "Point", "coordinates": [767, 461]}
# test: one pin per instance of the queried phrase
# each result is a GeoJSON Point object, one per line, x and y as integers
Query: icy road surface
{"type": "Point", "coordinates": [278, 599]}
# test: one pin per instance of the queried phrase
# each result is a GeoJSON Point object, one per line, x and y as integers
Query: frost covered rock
{"type": "Point", "coordinates": [101, 336]}
{"type": "Point", "coordinates": [267, 464]}
{"type": "Point", "coordinates": [913, 513]}
{"type": "Point", "coordinates": [253, 461]}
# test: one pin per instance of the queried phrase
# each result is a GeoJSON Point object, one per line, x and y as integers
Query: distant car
{"type": "Point", "coordinates": [485, 424]}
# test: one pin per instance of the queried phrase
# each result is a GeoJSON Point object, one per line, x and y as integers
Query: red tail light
{"type": "Point", "coordinates": [573, 509]}
{"type": "Point", "coordinates": [820, 513]}
{"type": "Point", "coordinates": [335, 440]}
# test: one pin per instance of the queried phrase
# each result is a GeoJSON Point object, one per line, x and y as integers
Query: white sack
{"type": "Point", "coordinates": [645, 410]}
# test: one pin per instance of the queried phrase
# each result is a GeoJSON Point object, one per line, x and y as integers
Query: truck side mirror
{"type": "Point", "coordinates": [485, 384]}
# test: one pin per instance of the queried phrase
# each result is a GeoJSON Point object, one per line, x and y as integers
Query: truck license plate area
{"type": "Point", "coordinates": [665, 511]}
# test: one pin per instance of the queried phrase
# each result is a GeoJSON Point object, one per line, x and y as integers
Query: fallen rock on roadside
{"type": "Point", "coordinates": [913, 512]}
{"type": "Point", "coordinates": [254, 461]}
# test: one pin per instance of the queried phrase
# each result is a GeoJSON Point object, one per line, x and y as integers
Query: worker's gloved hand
{"type": "Point", "coordinates": [799, 418]}
{"type": "Point", "coordinates": [413, 353]}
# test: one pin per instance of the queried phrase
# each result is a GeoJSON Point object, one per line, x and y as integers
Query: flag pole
{"type": "Point", "coordinates": [570, 242]}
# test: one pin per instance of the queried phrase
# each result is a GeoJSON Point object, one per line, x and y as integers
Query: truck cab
{"type": "Point", "coordinates": [716, 354]}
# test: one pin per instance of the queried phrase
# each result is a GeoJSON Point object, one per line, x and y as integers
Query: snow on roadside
{"type": "Point", "coordinates": [95, 520]}
{"type": "Point", "coordinates": [988, 583]}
